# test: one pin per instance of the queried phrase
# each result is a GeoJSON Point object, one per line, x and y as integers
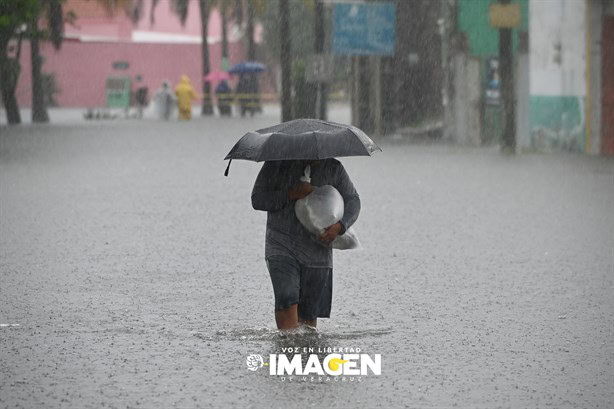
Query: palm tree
{"type": "Point", "coordinates": [224, 8]}
{"type": "Point", "coordinates": [15, 15]}
{"type": "Point", "coordinates": [205, 10]}
{"type": "Point", "coordinates": [180, 7]}
{"type": "Point", "coordinates": [52, 10]}
{"type": "Point", "coordinates": [252, 7]}
{"type": "Point", "coordinates": [318, 47]}
{"type": "Point", "coordinates": [284, 36]}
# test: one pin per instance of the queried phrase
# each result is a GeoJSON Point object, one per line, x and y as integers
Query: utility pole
{"type": "Point", "coordinates": [207, 106]}
{"type": "Point", "coordinates": [445, 27]}
{"type": "Point", "coordinates": [284, 35]}
{"type": "Point", "coordinates": [319, 49]}
{"type": "Point", "coordinates": [506, 70]}
{"type": "Point", "coordinates": [365, 116]}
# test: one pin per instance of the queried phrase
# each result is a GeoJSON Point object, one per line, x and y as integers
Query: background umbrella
{"type": "Point", "coordinates": [302, 139]}
{"type": "Point", "coordinates": [247, 67]}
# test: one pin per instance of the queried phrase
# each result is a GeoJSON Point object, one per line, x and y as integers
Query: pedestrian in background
{"type": "Point", "coordinates": [164, 101]}
{"type": "Point", "coordinates": [223, 92]}
{"type": "Point", "coordinates": [185, 94]}
{"type": "Point", "coordinates": [140, 97]}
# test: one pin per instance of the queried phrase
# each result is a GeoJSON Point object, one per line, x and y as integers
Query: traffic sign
{"type": "Point", "coordinates": [364, 28]}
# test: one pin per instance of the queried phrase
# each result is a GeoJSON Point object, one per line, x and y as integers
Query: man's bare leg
{"type": "Point", "coordinates": [311, 323]}
{"type": "Point", "coordinates": [287, 318]}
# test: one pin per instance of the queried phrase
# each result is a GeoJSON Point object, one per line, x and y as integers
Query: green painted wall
{"type": "Point", "coordinates": [483, 40]}
{"type": "Point", "coordinates": [557, 122]}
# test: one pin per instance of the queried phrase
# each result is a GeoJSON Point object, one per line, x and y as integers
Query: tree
{"type": "Point", "coordinates": [52, 11]}
{"type": "Point", "coordinates": [318, 48]}
{"type": "Point", "coordinates": [180, 7]}
{"type": "Point", "coordinates": [205, 10]}
{"type": "Point", "coordinates": [300, 16]}
{"type": "Point", "coordinates": [254, 8]}
{"type": "Point", "coordinates": [225, 6]}
{"type": "Point", "coordinates": [14, 15]}
{"type": "Point", "coordinates": [284, 56]}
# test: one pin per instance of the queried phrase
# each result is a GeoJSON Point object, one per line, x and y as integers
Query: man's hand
{"type": "Point", "coordinates": [331, 232]}
{"type": "Point", "coordinates": [300, 190]}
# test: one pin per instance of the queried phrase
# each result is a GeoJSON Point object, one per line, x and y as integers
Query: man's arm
{"type": "Point", "coordinates": [351, 199]}
{"type": "Point", "coordinates": [266, 195]}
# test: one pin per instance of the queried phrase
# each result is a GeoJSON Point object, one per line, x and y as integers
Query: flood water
{"type": "Point", "coordinates": [133, 275]}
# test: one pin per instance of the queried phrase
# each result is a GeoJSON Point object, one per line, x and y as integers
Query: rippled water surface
{"type": "Point", "coordinates": [132, 275]}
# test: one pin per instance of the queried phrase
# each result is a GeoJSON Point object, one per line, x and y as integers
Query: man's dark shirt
{"type": "Point", "coordinates": [285, 235]}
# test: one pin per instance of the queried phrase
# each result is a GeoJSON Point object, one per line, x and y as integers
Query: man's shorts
{"type": "Point", "coordinates": [309, 287]}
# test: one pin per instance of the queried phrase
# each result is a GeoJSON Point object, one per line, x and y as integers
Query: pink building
{"type": "Point", "coordinates": [98, 46]}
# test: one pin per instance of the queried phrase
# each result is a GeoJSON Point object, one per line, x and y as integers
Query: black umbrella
{"type": "Point", "coordinates": [302, 139]}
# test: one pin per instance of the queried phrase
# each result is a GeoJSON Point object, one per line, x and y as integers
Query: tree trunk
{"type": "Point", "coordinates": [39, 109]}
{"type": "Point", "coordinates": [284, 35]}
{"type": "Point", "coordinates": [207, 107]}
{"type": "Point", "coordinates": [322, 92]}
{"type": "Point", "coordinates": [251, 53]}
{"type": "Point", "coordinates": [365, 115]}
{"type": "Point", "coordinates": [9, 73]}
{"type": "Point", "coordinates": [224, 12]}
{"type": "Point", "coordinates": [251, 46]}
{"type": "Point", "coordinates": [13, 116]}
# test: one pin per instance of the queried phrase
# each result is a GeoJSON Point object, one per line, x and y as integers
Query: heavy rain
{"type": "Point", "coordinates": [306, 203]}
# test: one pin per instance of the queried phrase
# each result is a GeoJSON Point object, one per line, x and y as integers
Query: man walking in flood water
{"type": "Point", "coordinates": [299, 263]}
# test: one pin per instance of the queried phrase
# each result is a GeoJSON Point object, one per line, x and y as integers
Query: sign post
{"type": "Point", "coordinates": [505, 16]}
{"type": "Point", "coordinates": [365, 29]}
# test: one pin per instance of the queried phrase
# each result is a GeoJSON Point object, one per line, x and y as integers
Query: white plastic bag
{"type": "Point", "coordinates": [321, 208]}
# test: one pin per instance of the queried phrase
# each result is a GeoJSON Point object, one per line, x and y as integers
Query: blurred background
{"type": "Point", "coordinates": [132, 271]}
{"type": "Point", "coordinates": [531, 75]}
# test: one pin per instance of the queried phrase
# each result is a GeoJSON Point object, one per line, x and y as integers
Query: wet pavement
{"type": "Point", "coordinates": [132, 274]}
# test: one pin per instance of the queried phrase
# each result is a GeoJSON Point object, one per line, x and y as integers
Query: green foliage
{"type": "Point", "coordinates": [55, 20]}
{"type": "Point", "coordinates": [14, 13]}
{"type": "Point", "coordinates": [180, 7]}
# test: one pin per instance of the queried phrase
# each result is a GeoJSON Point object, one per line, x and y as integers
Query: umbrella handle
{"type": "Point", "coordinates": [227, 167]}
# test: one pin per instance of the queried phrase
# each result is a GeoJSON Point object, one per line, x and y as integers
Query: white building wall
{"type": "Point", "coordinates": [557, 47]}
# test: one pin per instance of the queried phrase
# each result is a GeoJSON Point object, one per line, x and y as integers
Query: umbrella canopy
{"type": "Point", "coordinates": [247, 67]}
{"type": "Point", "coordinates": [302, 139]}
{"type": "Point", "coordinates": [217, 76]}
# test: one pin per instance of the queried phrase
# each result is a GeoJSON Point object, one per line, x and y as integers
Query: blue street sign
{"type": "Point", "coordinates": [364, 28]}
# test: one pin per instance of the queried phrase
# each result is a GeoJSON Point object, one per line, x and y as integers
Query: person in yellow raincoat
{"type": "Point", "coordinates": [185, 94]}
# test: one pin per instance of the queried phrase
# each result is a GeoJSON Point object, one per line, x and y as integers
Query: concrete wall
{"type": "Point", "coordinates": [523, 121]}
{"type": "Point", "coordinates": [557, 74]}
{"type": "Point", "coordinates": [467, 99]}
